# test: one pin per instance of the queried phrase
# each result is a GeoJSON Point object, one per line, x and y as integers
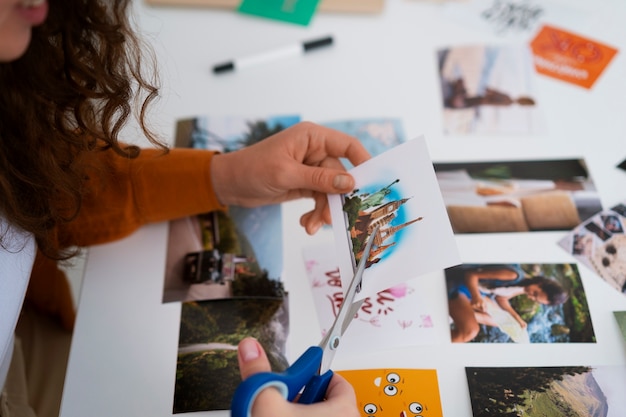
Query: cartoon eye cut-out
{"type": "Point", "coordinates": [370, 408]}
{"type": "Point", "coordinates": [416, 408]}
{"type": "Point", "coordinates": [393, 377]}
{"type": "Point", "coordinates": [390, 390]}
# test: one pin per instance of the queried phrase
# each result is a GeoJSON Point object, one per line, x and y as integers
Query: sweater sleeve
{"type": "Point", "coordinates": [125, 194]}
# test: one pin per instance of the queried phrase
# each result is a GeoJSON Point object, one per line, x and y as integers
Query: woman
{"type": "Point", "coordinates": [71, 74]}
{"type": "Point", "coordinates": [471, 286]}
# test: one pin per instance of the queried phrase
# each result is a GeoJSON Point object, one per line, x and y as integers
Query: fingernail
{"type": "Point", "coordinates": [314, 227]}
{"type": "Point", "coordinates": [248, 349]}
{"type": "Point", "coordinates": [341, 181]}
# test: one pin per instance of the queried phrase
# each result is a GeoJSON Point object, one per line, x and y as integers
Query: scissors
{"type": "Point", "coordinates": [310, 374]}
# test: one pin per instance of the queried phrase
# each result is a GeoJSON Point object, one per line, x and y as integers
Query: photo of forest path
{"type": "Point", "coordinates": [207, 372]}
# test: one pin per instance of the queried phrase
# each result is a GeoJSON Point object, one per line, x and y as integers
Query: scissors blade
{"type": "Point", "coordinates": [347, 311]}
{"type": "Point", "coordinates": [354, 308]}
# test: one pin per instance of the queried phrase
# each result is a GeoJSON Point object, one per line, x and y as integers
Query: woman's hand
{"type": "Point", "coordinates": [478, 303]}
{"type": "Point", "coordinates": [522, 323]}
{"type": "Point", "coordinates": [301, 161]}
{"type": "Point", "coordinates": [340, 399]}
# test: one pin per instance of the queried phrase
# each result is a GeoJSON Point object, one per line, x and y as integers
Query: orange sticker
{"type": "Point", "coordinates": [569, 57]}
{"type": "Point", "coordinates": [396, 392]}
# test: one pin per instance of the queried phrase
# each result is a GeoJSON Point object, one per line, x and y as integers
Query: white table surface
{"type": "Point", "coordinates": [123, 358]}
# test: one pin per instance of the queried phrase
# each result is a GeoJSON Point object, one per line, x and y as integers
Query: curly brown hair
{"type": "Point", "coordinates": [71, 92]}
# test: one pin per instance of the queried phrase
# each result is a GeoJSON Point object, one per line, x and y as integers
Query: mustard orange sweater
{"type": "Point", "coordinates": [124, 194]}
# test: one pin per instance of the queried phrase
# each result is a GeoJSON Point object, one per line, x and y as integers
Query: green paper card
{"type": "Point", "coordinates": [293, 11]}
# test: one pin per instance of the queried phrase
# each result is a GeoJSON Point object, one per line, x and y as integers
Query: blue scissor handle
{"type": "Point", "coordinates": [315, 390]}
{"type": "Point", "coordinates": [303, 373]}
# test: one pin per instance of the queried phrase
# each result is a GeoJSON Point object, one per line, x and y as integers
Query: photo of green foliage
{"type": "Point", "coordinates": [571, 391]}
{"type": "Point", "coordinates": [207, 372]}
{"type": "Point", "coordinates": [620, 316]}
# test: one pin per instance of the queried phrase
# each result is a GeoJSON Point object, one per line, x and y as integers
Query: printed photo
{"type": "Point", "coordinates": [600, 243]}
{"type": "Point", "coordinates": [517, 196]}
{"type": "Point", "coordinates": [548, 391]}
{"type": "Point", "coordinates": [376, 134]}
{"type": "Point", "coordinates": [518, 303]}
{"type": "Point", "coordinates": [208, 254]}
{"type": "Point", "coordinates": [229, 133]}
{"type": "Point", "coordinates": [397, 316]}
{"type": "Point", "coordinates": [488, 90]}
{"type": "Point", "coordinates": [207, 372]}
{"type": "Point", "coordinates": [620, 316]}
{"type": "Point", "coordinates": [396, 194]}
{"type": "Point", "coordinates": [396, 392]}
{"type": "Point", "coordinates": [212, 255]}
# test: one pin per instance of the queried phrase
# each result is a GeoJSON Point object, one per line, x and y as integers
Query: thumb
{"type": "Point", "coordinates": [252, 358]}
{"type": "Point", "coordinates": [326, 180]}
